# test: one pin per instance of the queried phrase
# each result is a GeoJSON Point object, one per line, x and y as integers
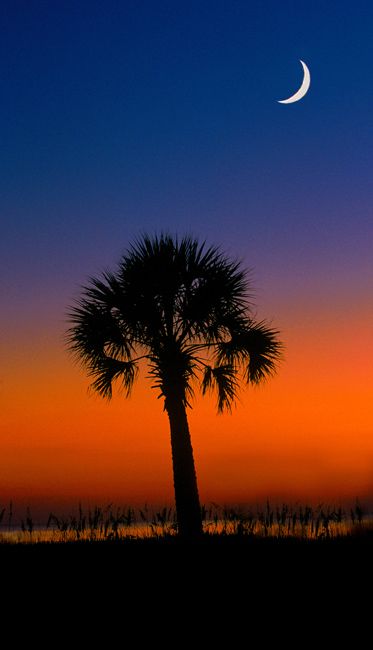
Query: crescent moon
{"type": "Point", "coordinates": [302, 90]}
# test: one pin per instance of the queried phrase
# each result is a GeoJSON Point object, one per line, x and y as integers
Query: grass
{"type": "Point", "coordinates": [109, 523]}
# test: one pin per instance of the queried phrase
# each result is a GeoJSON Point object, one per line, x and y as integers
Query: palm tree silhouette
{"type": "Point", "coordinates": [184, 309]}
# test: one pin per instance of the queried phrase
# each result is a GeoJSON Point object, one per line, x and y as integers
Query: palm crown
{"type": "Point", "coordinates": [183, 307]}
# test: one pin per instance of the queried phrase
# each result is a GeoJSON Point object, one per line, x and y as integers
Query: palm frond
{"type": "Point", "coordinates": [223, 380]}
{"type": "Point", "coordinates": [101, 340]}
{"type": "Point", "coordinates": [217, 289]}
{"type": "Point", "coordinates": [255, 348]}
{"type": "Point", "coordinates": [95, 330]}
{"type": "Point", "coordinates": [108, 370]}
{"type": "Point", "coordinates": [207, 380]}
{"type": "Point", "coordinates": [265, 351]}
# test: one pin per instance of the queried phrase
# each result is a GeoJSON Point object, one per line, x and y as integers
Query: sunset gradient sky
{"type": "Point", "coordinates": [124, 117]}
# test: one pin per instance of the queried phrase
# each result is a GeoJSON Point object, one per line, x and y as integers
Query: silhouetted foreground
{"type": "Point", "coordinates": [226, 574]}
{"type": "Point", "coordinates": [112, 523]}
{"type": "Point", "coordinates": [232, 547]}
{"type": "Point", "coordinates": [272, 545]}
{"type": "Point", "coordinates": [221, 571]}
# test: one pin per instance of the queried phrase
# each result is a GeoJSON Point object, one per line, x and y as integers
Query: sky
{"type": "Point", "coordinates": [120, 118]}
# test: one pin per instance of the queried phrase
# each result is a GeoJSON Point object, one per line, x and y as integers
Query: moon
{"type": "Point", "coordinates": [302, 90]}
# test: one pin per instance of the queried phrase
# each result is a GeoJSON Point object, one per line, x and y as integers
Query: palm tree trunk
{"type": "Point", "coordinates": [188, 507]}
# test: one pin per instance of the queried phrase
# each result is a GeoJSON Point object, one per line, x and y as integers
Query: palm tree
{"type": "Point", "coordinates": [182, 308]}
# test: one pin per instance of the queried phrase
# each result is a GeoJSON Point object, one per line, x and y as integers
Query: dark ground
{"type": "Point", "coordinates": [212, 556]}
{"type": "Point", "coordinates": [219, 591]}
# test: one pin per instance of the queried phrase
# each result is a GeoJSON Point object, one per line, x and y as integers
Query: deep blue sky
{"type": "Point", "coordinates": [121, 117]}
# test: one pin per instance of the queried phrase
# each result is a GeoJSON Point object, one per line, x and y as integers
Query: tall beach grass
{"type": "Point", "coordinates": [112, 523]}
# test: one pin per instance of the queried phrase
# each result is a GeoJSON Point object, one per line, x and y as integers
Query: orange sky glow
{"type": "Point", "coordinates": [304, 435]}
